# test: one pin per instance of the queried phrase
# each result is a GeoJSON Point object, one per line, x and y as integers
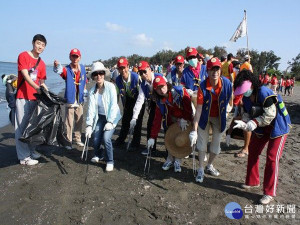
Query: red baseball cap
{"type": "Point", "coordinates": [75, 51]}
{"type": "Point", "coordinates": [122, 62]}
{"type": "Point", "coordinates": [179, 59]}
{"type": "Point", "coordinates": [213, 62]}
{"type": "Point", "coordinates": [191, 52]}
{"type": "Point", "coordinates": [159, 81]}
{"type": "Point", "coordinates": [143, 65]}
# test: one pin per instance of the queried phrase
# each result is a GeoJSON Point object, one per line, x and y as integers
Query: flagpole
{"type": "Point", "coordinates": [247, 31]}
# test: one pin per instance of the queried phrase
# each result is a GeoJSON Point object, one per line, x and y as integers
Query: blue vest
{"type": "Point", "coordinates": [70, 92]}
{"type": "Point", "coordinates": [223, 101]}
{"type": "Point", "coordinates": [134, 84]}
{"type": "Point", "coordinates": [189, 79]}
{"type": "Point", "coordinates": [281, 123]}
{"type": "Point", "coordinates": [177, 94]}
{"type": "Point", "coordinates": [145, 88]}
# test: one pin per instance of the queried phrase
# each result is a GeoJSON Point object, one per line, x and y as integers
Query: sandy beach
{"type": "Point", "coordinates": [60, 189]}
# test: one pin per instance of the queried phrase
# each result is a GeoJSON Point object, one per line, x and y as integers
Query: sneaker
{"type": "Point", "coordinates": [68, 147]}
{"type": "Point", "coordinates": [212, 171]}
{"type": "Point", "coordinates": [167, 165]}
{"type": "Point", "coordinates": [109, 167]}
{"type": "Point", "coordinates": [266, 199]}
{"type": "Point", "coordinates": [95, 159]}
{"type": "Point", "coordinates": [205, 158]}
{"type": "Point", "coordinates": [29, 161]}
{"type": "Point", "coordinates": [79, 143]}
{"type": "Point", "coordinates": [200, 176]}
{"type": "Point", "coordinates": [35, 155]}
{"type": "Point", "coordinates": [245, 186]}
{"type": "Point", "coordinates": [177, 168]}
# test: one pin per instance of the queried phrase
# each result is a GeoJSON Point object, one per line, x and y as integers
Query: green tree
{"type": "Point", "coordinates": [295, 66]}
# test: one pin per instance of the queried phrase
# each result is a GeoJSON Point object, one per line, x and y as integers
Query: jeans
{"type": "Point", "coordinates": [105, 137]}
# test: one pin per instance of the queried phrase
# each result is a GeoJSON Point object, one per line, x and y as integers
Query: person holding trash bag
{"type": "Point", "coordinates": [173, 104]}
{"type": "Point", "coordinates": [103, 114]}
{"type": "Point", "coordinates": [31, 76]}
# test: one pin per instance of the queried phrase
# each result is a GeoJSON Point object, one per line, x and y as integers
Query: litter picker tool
{"type": "Point", "coordinates": [129, 139]}
{"type": "Point", "coordinates": [148, 160]}
{"type": "Point", "coordinates": [85, 148]}
{"type": "Point", "coordinates": [194, 160]}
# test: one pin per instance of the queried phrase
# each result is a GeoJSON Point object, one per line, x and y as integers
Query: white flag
{"type": "Point", "coordinates": [241, 31]}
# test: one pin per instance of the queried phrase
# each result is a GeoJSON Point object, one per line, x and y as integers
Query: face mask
{"type": "Point", "coordinates": [248, 93]}
{"type": "Point", "coordinates": [193, 62]}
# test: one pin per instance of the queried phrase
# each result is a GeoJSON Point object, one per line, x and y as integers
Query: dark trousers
{"type": "Point", "coordinates": [128, 112]}
{"type": "Point", "coordinates": [287, 89]}
{"type": "Point", "coordinates": [152, 107]}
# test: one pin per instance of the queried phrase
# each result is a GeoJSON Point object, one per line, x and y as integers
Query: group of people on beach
{"type": "Point", "coordinates": [197, 98]}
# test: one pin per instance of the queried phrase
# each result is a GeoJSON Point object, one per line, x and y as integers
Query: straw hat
{"type": "Point", "coordinates": [177, 141]}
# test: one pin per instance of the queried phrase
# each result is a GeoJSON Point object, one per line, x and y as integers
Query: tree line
{"type": "Point", "coordinates": [264, 61]}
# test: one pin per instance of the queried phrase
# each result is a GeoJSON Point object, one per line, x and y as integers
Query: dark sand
{"type": "Point", "coordinates": [56, 192]}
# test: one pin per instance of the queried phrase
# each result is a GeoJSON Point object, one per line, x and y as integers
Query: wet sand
{"type": "Point", "coordinates": [63, 190]}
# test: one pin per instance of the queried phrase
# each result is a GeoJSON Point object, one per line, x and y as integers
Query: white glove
{"type": "Point", "coordinates": [108, 126]}
{"type": "Point", "coordinates": [183, 124]}
{"type": "Point", "coordinates": [228, 139]}
{"type": "Point", "coordinates": [190, 91]}
{"type": "Point", "coordinates": [151, 142]}
{"type": "Point", "coordinates": [88, 131]}
{"type": "Point", "coordinates": [132, 124]}
{"type": "Point", "coordinates": [229, 108]}
{"type": "Point", "coordinates": [193, 137]}
{"type": "Point", "coordinates": [250, 126]}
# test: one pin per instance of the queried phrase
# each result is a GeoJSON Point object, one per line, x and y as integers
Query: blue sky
{"type": "Point", "coordinates": [102, 29]}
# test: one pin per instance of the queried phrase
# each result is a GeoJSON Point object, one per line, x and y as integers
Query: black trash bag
{"type": "Point", "coordinates": [45, 125]}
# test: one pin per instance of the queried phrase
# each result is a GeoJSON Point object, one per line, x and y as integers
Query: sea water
{"type": "Point", "coordinates": [54, 83]}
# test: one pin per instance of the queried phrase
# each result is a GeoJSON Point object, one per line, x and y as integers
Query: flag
{"type": "Point", "coordinates": [241, 31]}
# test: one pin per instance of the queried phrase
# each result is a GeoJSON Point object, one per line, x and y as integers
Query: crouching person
{"type": "Point", "coordinates": [103, 114]}
{"type": "Point", "coordinates": [173, 104]}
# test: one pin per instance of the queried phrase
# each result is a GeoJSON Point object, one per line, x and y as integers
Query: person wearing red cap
{"type": "Point", "coordinates": [174, 77]}
{"type": "Point", "coordinates": [173, 104]}
{"type": "Point", "coordinates": [145, 94]}
{"type": "Point", "coordinates": [213, 98]}
{"type": "Point", "coordinates": [31, 77]}
{"type": "Point", "coordinates": [269, 126]}
{"type": "Point", "coordinates": [128, 88]}
{"type": "Point", "coordinates": [75, 77]}
{"type": "Point", "coordinates": [195, 72]}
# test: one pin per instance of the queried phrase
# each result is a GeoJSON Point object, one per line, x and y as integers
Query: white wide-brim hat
{"type": "Point", "coordinates": [98, 66]}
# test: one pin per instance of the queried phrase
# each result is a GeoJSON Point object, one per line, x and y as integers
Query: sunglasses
{"type": "Point", "coordinates": [141, 72]}
{"type": "Point", "coordinates": [98, 73]}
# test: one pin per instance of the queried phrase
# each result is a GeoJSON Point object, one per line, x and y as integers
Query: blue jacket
{"type": "Point", "coordinates": [111, 107]}
{"type": "Point", "coordinates": [281, 123]}
{"type": "Point", "coordinates": [70, 92]}
{"type": "Point", "coordinates": [177, 95]}
{"type": "Point", "coordinates": [134, 86]}
{"type": "Point", "coordinates": [224, 97]}
{"type": "Point", "coordinates": [145, 87]}
{"type": "Point", "coordinates": [189, 80]}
